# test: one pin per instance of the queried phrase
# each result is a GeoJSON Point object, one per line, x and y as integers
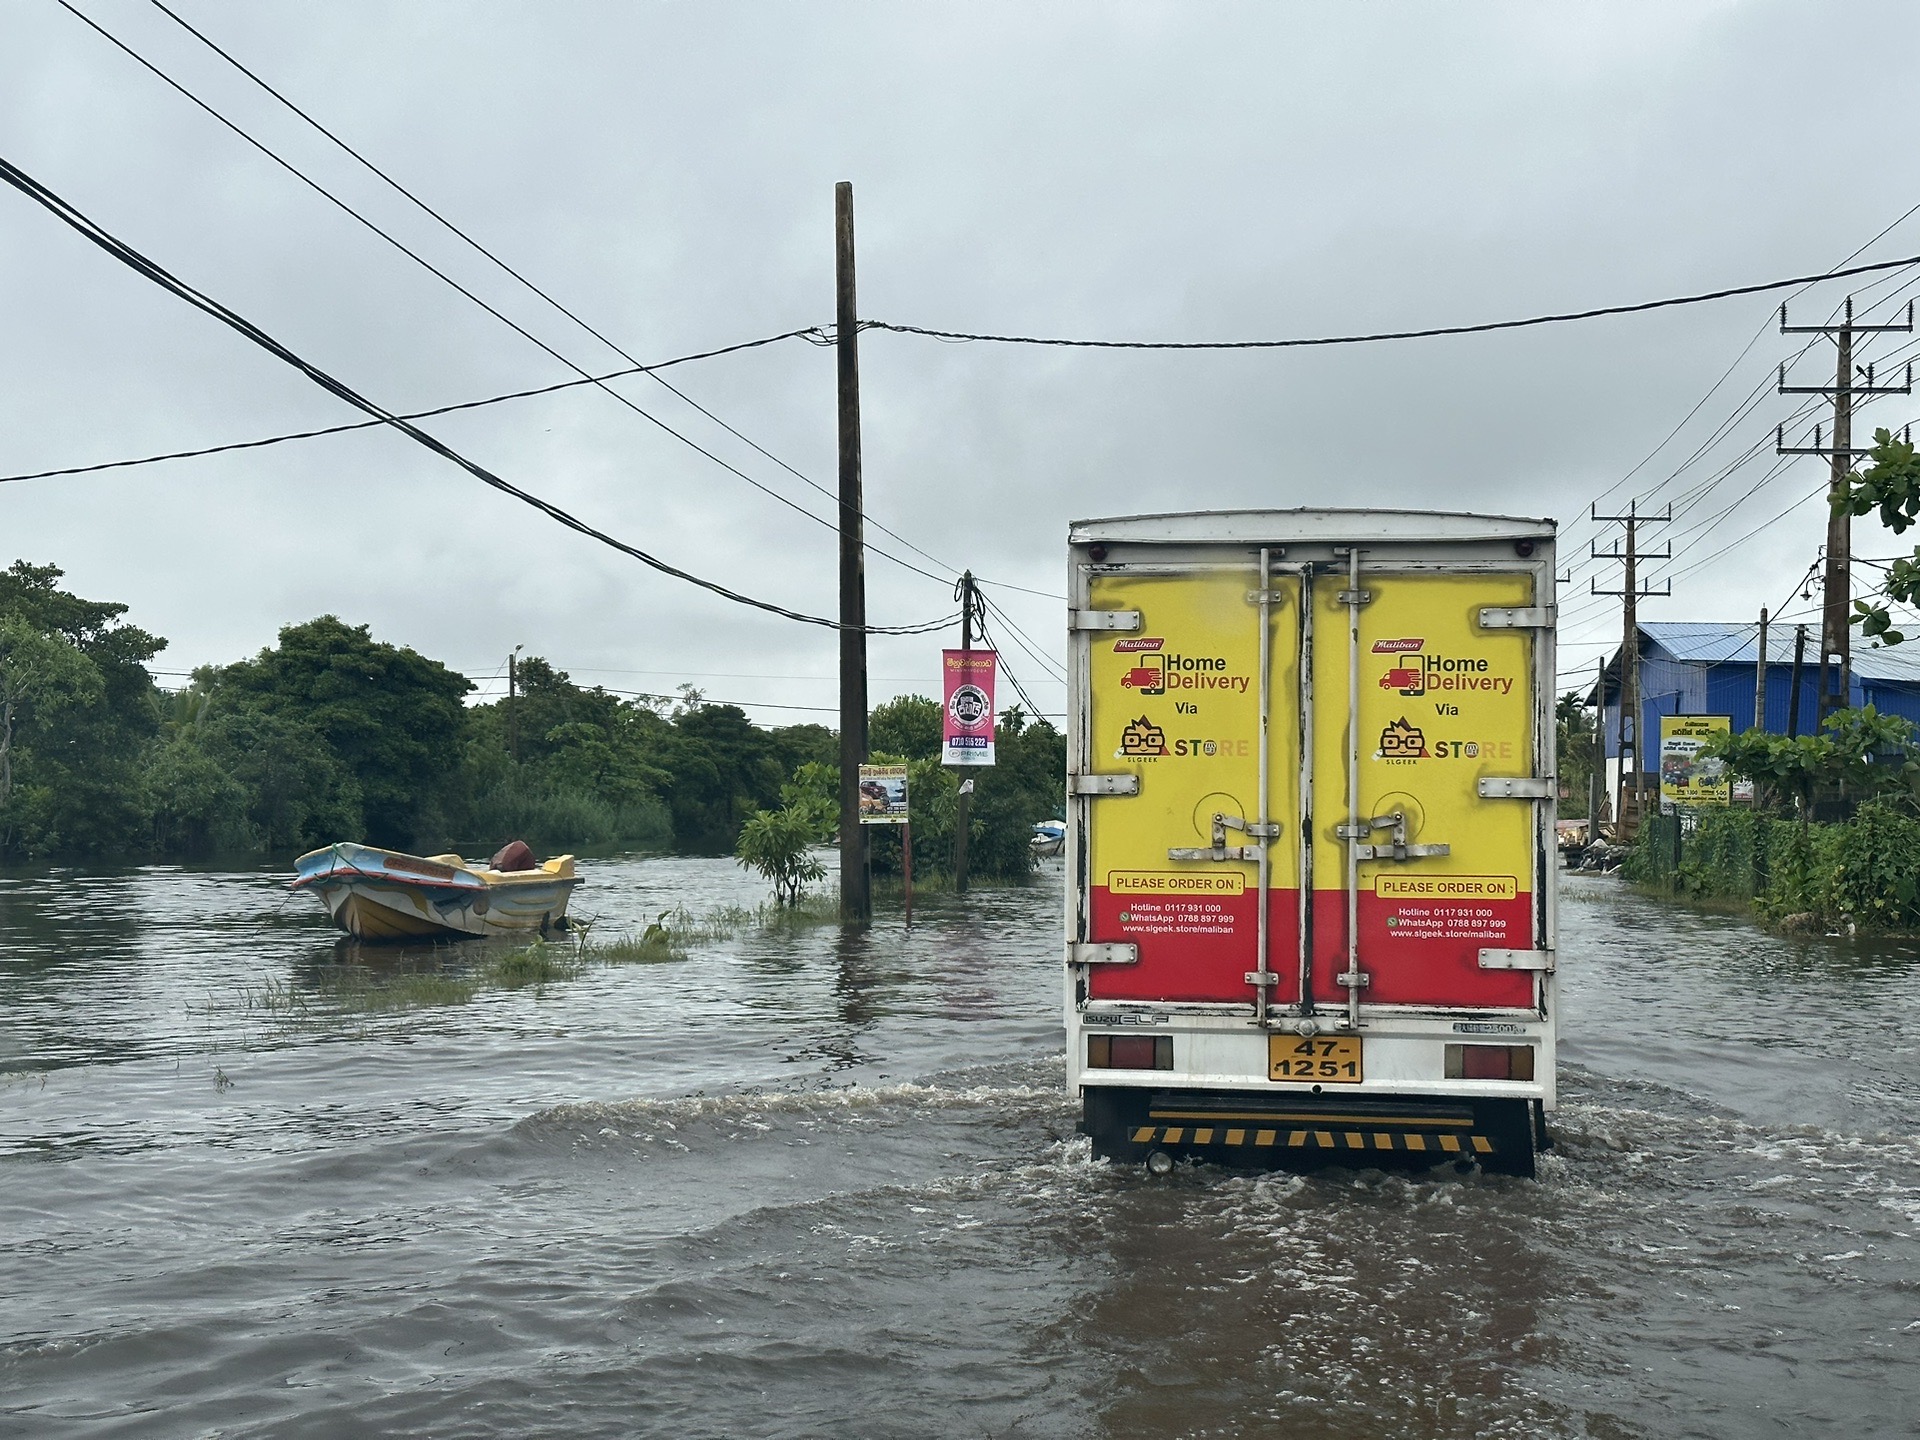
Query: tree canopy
{"type": "Point", "coordinates": [332, 733]}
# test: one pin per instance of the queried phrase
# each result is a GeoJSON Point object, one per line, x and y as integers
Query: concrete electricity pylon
{"type": "Point", "coordinates": [1850, 382]}
{"type": "Point", "coordinates": [1631, 592]}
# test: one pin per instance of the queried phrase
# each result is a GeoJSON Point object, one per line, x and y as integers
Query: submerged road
{"type": "Point", "coordinates": [799, 1185]}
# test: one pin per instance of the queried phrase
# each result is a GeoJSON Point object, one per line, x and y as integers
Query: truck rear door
{"type": "Point", "coordinates": [1425, 708]}
{"type": "Point", "coordinates": [1200, 677]}
{"type": "Point", "coordinates": [1415, 805]}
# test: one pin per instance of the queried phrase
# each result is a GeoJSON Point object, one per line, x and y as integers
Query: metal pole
{"type": "Point", "coordinates": [513, 709]}
{"type": "Point", "coordinates": [1760, 676]}
{"type": "Point", "coordinates": [964, 807]}
{"type": "Point", "coordinates": [856, 897]}
{"type": "Point", "coordinates": [1597, 780]}
{"type": "Point", "coordinates": [1263, 822]}
{"type": "Point", "coordinates": [1353, 979]}
{"type": "Point", "coordinates": [906, 867]}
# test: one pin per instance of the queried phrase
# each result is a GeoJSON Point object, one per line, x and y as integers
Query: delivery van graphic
{"type": "Point", "coordinates": [1407, 679]}
{"type": "Point", "coordinates": [1149, 677]}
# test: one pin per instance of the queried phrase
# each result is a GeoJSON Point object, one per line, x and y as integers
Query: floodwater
{"type": "Point", "coordinates": [803, 1185]}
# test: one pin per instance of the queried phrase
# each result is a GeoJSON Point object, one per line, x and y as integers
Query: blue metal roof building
{"type": "Point", "coordinates": [1707, 668]}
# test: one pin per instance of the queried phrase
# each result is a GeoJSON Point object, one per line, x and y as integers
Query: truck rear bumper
{"type": "Point", "coordinates": [1294, 1131]}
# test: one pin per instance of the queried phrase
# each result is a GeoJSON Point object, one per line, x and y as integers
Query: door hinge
{"type": "Point", "coordinates": [1517, 960]}
{"type": "Point", "coordinates": [1516, 787]}
{"type": "Point", "coordinates": [1103, 619]}
{"type": "Point", "coordinates": [1102, 952]}
{"type": "Point", "coordinates": [1111, 784]}
{"type": "Point", "coordinates": [1517, 617]}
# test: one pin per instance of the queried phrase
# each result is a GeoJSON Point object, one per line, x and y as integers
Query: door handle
{"type": "Point", "coordinates": [1220, 850]}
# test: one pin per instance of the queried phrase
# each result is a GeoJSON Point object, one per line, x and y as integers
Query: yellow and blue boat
{"type": "Point", "coordinates": [387, 895]}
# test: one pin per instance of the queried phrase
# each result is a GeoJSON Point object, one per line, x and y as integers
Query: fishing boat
{"type": "Point", "coordinates": [1049, 838]}
{"type": "Point", "coordinates": [386, 895]}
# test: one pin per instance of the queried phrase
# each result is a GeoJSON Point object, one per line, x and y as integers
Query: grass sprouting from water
{"type": "Point", "coordinates": [540, 963]}
{"type": "Point", "coordinates": [360, 989]}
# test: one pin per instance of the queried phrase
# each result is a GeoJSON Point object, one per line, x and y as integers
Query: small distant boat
{"type": "Point", "coordinates": [1049, 838]}
{"type": "Point", "coordinates": [387, 895]}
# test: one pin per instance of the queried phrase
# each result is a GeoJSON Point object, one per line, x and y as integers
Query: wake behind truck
{"type": "Point", "coordinates": [1310, 840]}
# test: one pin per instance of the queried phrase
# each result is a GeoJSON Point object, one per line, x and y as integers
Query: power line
{"type": "Point", "coordinates": [1481, 328]}
{"type": "Point", "coordinates": [134, 260]}
{"type": "Point", "coordinates": [1054, 670]}
{"type": "Point", "coordinates": [536, 289]}
{"type": "Point", "coordinates": [430, 267]}
{"type": "Point", "coordinates": [411, 415]}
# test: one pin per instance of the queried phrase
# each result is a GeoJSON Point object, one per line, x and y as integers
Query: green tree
{"type": "Point", "coordinates": [1861, 750]}
{"type": "Point", "coordinates": [775, 844]}
{"type": "Point", "coordinates": [1574, 746]}
{"type": "Point", "coordinates": [393, 717]}
{"type": "Point", "coordinates": [44, 679]}
{"type": "Point", "coordinates": [1890, 487]}
{"type": "Point", "coordinates": [908, 726]}
{"type": "Point", "coordinates": [723, 768]}
{"type": "Point", "coordinates": [83, 712]}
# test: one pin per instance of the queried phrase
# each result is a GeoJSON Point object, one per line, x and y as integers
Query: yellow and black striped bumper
{"type": "Point", "coordinates": [1411, 1142]}
{"type": "Point", "coordinates": [1408, 1136]}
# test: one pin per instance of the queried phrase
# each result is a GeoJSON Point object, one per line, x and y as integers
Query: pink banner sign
{"type": "Point", "coordinates": [967, 731]}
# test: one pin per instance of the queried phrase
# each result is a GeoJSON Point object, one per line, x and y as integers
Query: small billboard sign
{"type": "Point", "coordinates": [883, 794]}
{"type": "Point", "coordinates": [1686, 780]}
{"type": "Point", "coordinates": [967, 719]}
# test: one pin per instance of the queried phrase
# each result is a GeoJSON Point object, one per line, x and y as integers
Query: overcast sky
{"type": "Point", "coordinates": [1164, 171]}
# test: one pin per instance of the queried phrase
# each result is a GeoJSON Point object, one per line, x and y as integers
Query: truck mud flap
{"type": "Point", "coordinates": [1256, 1130]}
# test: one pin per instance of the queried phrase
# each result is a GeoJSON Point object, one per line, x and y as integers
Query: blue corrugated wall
{"type": "Point", "coordinates": [1673, 687]}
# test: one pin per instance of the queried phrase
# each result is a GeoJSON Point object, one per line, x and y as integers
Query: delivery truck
{"type": "Point", "coordinates": [1311, 838]}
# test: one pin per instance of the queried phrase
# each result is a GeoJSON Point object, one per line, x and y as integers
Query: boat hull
{"type": "Point", "coordinates": [380, 895]}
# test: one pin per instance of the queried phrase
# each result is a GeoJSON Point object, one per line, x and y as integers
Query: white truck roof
{"type": "Point", "coordinates": [1200, 527]}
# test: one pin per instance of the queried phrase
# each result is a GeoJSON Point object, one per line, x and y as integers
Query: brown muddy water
{"type": "Point", "coordinates": [799, 1184]}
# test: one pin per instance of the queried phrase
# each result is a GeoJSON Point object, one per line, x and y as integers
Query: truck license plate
{"type": "Point", "coordinates": [1330, 1059]}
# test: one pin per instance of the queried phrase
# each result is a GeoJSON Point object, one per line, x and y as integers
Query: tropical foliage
{"type": "Point", "coordinates": [1890, 488]}
{"type": "Point", "coordinates": [332, 733]}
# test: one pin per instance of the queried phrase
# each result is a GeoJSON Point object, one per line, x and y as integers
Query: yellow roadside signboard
{"type": "Point", "coordinates": [1686, 780]}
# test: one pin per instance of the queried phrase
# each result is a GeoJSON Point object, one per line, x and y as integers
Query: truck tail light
{"type": "Point", "coordinates": [1489, 1062]}
{"type": "Point", "coordinates": [1130, 1052]}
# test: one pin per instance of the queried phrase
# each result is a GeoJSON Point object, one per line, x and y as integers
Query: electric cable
{"type": "Point", "coordinates": [410, 415]}
{"type": "Point", "coordinates": [430, 267]}
{"type": "Point", "coordinates": [537, 290]}
{"type": "Point", "coordinates": [1481, 328]}
{"type": "Point", "coordinates": [152, 270]}
{"type": "Point", "coordinates": [1055, 671]}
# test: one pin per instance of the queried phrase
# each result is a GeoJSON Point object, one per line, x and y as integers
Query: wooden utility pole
{"type": "Point", "coordinates": [1632, 592]}
{"type": "Point", "coordinates": [1836, 610]}
{"type": "Point", "coordinates": [1760, 676]}
{"type": "Point", "coordinates": [513, 707]}
{"type": "Point", "coordinates": [856, 897]}
{"type": "Point", "coordinates": [964, 806]}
